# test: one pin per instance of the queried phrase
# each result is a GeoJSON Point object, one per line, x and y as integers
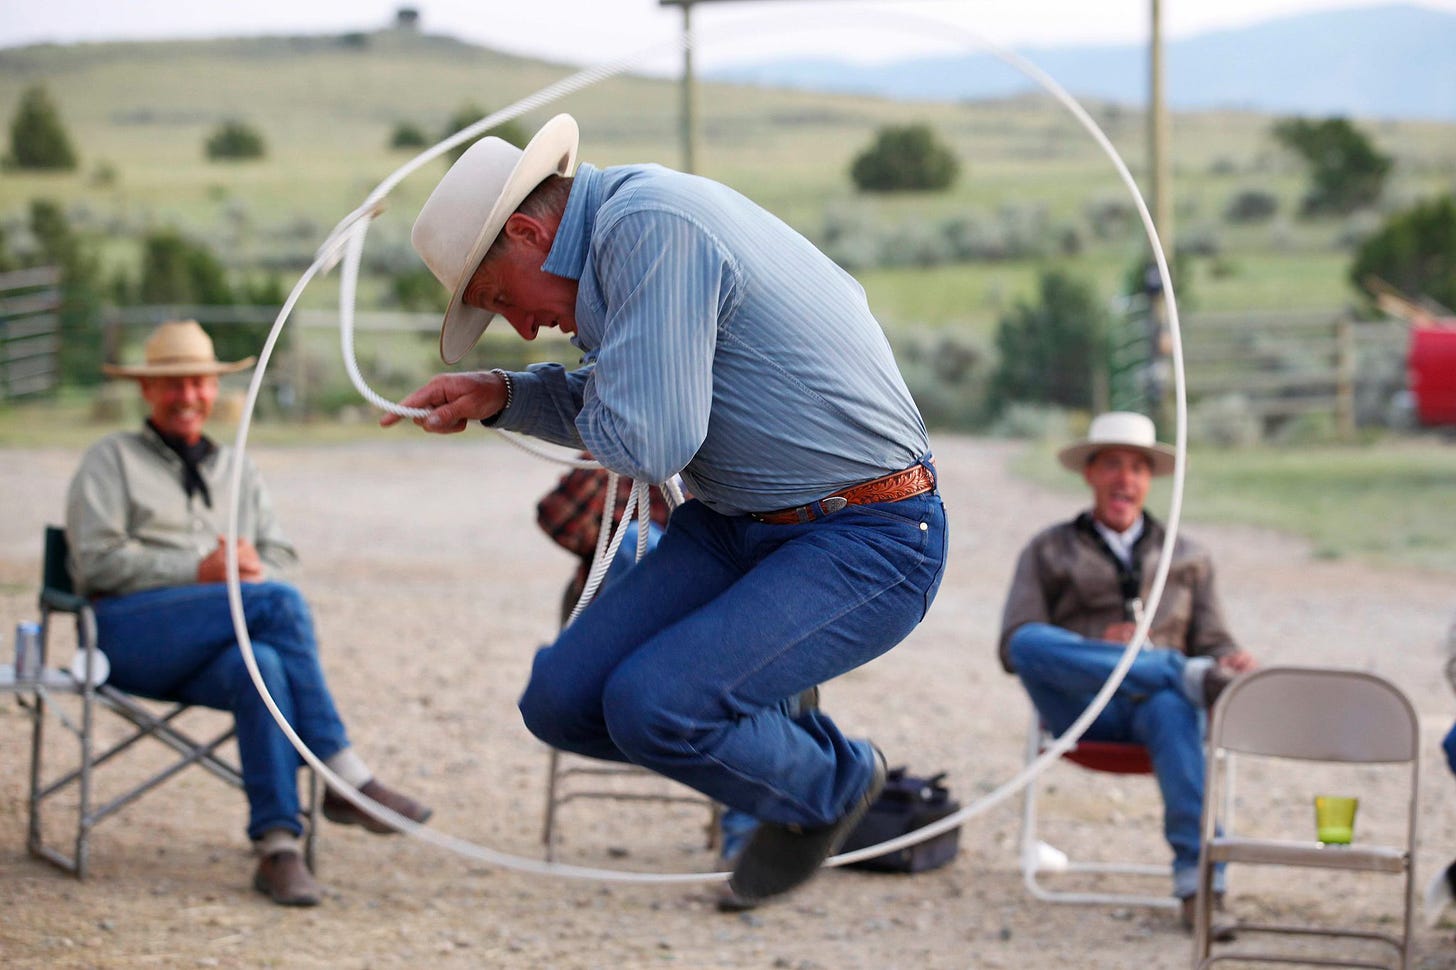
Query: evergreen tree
{"type": "Point", "coordinates": [38, 139]}
{"type": "Point", "coordinates": [176, 270]}
{"type": "Point", "coordinates": [1049, 350]}
{"type": "Point", "coordinates": [179, 271]}
{"type": "Point", "coordinates": [80, 314]}
{"type": "Point", "coordinates": [1346, 171]}
{"type": "Point", "coordinates": [468, 115]}
{"type": "Point", "coordinates": [1415, 251]}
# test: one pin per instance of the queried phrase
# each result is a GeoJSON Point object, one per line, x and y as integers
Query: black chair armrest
{"type": "Point", "coordinates": [65, 602]}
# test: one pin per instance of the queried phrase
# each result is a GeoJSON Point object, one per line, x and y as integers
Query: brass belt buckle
{"type": "Point", "coordinates": [833, 504]}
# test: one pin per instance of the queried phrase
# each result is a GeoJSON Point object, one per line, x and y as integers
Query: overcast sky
{"type": "Point", "coordinates": [594, 31]}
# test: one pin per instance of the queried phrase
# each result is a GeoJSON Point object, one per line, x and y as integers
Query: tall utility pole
{"type": "Point", "coordinates": [1158, 163]}
{"type": "Point", "coordinates": [1161, 186]}
{"type": "Point", "coordinates": [689, 119]}
{"type": "Point", "coordinates": [689, 83]}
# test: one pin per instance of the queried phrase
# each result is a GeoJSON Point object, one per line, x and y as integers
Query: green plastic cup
{"type": "Point", "coordinates": [1334, 818]}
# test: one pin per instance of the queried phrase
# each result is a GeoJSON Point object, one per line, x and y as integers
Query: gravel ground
{"type": "Point", "coordinates": [431, 588]}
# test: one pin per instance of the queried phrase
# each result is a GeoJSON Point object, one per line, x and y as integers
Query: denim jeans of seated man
{"type": "Point", "coordinates": [177, 643]}
{"type": "Point", "coordinates": [680, 666]}
{"type": "Point", "coordinates": [1063, 671]}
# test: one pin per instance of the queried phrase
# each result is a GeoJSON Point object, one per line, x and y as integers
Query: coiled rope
{"type": "Point", "coordinates": [346, 242]}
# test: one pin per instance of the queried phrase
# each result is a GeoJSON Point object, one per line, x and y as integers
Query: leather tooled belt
{"type": "Point", "coordinates": [915, 480]}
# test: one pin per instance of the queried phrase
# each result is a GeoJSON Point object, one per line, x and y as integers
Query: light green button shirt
{"type": "Point", "coordinates": [131, 525]}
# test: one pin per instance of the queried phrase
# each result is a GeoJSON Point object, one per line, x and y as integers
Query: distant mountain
{"type": "Point", "coordinates": [1390, 61]}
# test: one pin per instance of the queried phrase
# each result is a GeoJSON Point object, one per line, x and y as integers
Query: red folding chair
{"type": "Point", "coordinates": [1040, 860]}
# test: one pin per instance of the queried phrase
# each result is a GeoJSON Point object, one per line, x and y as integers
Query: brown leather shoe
{"type": "Point", "coordinates": [1214, 682]}
{"type": "Point", "coordinates": [283, 878]}
{"type": "Point", "coordinates": [1218, 934]}
{"type": "Point", "coordinates": [341, 811]}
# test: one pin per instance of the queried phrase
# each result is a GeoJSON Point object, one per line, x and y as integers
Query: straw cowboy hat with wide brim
{"type": "Point", "coordinates": [1119, 429]}
{"type": "Point", "coordinates": [470, 206]}
{"type": "Point", "coordinates": [178, 348]}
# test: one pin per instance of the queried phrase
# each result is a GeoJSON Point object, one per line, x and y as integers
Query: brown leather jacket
{"type": "Point", "coordinates": [1063, 577]}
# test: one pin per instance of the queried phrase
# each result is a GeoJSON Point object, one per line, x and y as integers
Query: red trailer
{"type": "Point", "coordinates": [1431, 371]}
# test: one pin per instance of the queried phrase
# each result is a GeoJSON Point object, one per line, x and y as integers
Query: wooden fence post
{"type": "Point", "coordinates": [1345, 377]}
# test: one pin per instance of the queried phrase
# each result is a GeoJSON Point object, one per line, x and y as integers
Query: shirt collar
{"type": "Point", "coordinates": [1121, 543]}
{"type": "Point", "coordinates": [573, 234]}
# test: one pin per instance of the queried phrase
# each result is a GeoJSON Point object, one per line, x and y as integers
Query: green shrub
{"type": "Point", "coordinates": [946, 374]}
{"type": "Point", "coordinates": [407, 135]}
{"type": "Point", "coordinates": [905, 158]}
{"type": "Point", "coordinates": [1251, 205]}
{"type": "Point", "coordinates": [235, 141]}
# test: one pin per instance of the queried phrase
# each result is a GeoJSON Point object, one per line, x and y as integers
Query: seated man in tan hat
{"type": "Point", "coordinates": [1077, 593]}
{"type": "Point", "coordinates": [145, 519]}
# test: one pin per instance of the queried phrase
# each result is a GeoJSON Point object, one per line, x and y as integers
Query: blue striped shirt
{"type": "Point", "coordinates": [720, 344]}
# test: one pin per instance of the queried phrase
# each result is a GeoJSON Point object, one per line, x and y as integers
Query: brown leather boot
{"type": "Point", "coordinates": [341, 811]}
{"type": "Point", "coordinates": [1218, 934]}
{"type": "Point", "coordinates": [283, 878]}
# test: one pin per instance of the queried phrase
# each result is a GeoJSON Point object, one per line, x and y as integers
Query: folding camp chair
{"type": "Point", "coordinates": [146, 719]}
{"type": "Point", "coordinates": [1039, 859]}
{"type": "Point", "coordinates": [612, 782]}
{"type": "Point", "coordinates": [1315, 715]}
{"type": "Point", "coordinates": [605, 780]}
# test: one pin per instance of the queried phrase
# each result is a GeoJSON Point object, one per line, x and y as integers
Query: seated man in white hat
{"type": "Point", "coordinates": [1077, 593]}
{"type": "Point", "coordinates": [145, 520]}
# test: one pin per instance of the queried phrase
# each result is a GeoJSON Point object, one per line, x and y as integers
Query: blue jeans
{"type": "Point", "coordinates": [681, 666]}
{"type": "Point", "coordinates": [1063, 671]}
{"type": "Point", "coordinates": [177, 643]}
{"type": "Point", "coordinates": [626, 556]}
{"type": "Point", "coordinates": [734, 827]}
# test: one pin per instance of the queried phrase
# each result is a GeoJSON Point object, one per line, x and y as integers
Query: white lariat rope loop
{"type": "Point", "coordinates": [346, 242]}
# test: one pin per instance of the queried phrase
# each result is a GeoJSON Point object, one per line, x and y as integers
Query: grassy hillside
{"type": "Point", "coordinates": [327, 106]}
{"type": "Point", "coordinates": [139, 114]}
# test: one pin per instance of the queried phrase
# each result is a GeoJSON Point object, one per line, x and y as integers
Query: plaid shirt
{"type": "Point", "coordinates": [571, 513]}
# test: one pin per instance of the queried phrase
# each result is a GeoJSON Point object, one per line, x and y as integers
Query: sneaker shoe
{"type": "Point", "coordinates": [283, 878]}
{"type": "Point", "coordinates": [782, 857]}
{"type": "Point", "coordinates": [341, 811]}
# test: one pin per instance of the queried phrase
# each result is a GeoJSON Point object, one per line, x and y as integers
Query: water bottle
{"type": "Point", "coordinates": [27, 651]}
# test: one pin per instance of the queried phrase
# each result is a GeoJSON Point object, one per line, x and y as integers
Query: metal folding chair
{"type": "Point", "coordinates": [571, 777]}
{"type": "Point", "coordinates": [1040, 860]}
{"type": "Point", "coordinates": [1335, 717]}
{"type": "Point", "coordinates": [146, 719]}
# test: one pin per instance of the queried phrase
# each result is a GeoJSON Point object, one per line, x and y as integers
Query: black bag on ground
{"type": "Point", "coordinates": [907, 803]}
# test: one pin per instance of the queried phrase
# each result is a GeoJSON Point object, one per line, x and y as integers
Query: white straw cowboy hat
{"type": "Point", "coordinates": [178, 348]}
{"type": "Point", "coordinates": [470, 206]}
{"type": "Point", "coordinates": [1119, 429]}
